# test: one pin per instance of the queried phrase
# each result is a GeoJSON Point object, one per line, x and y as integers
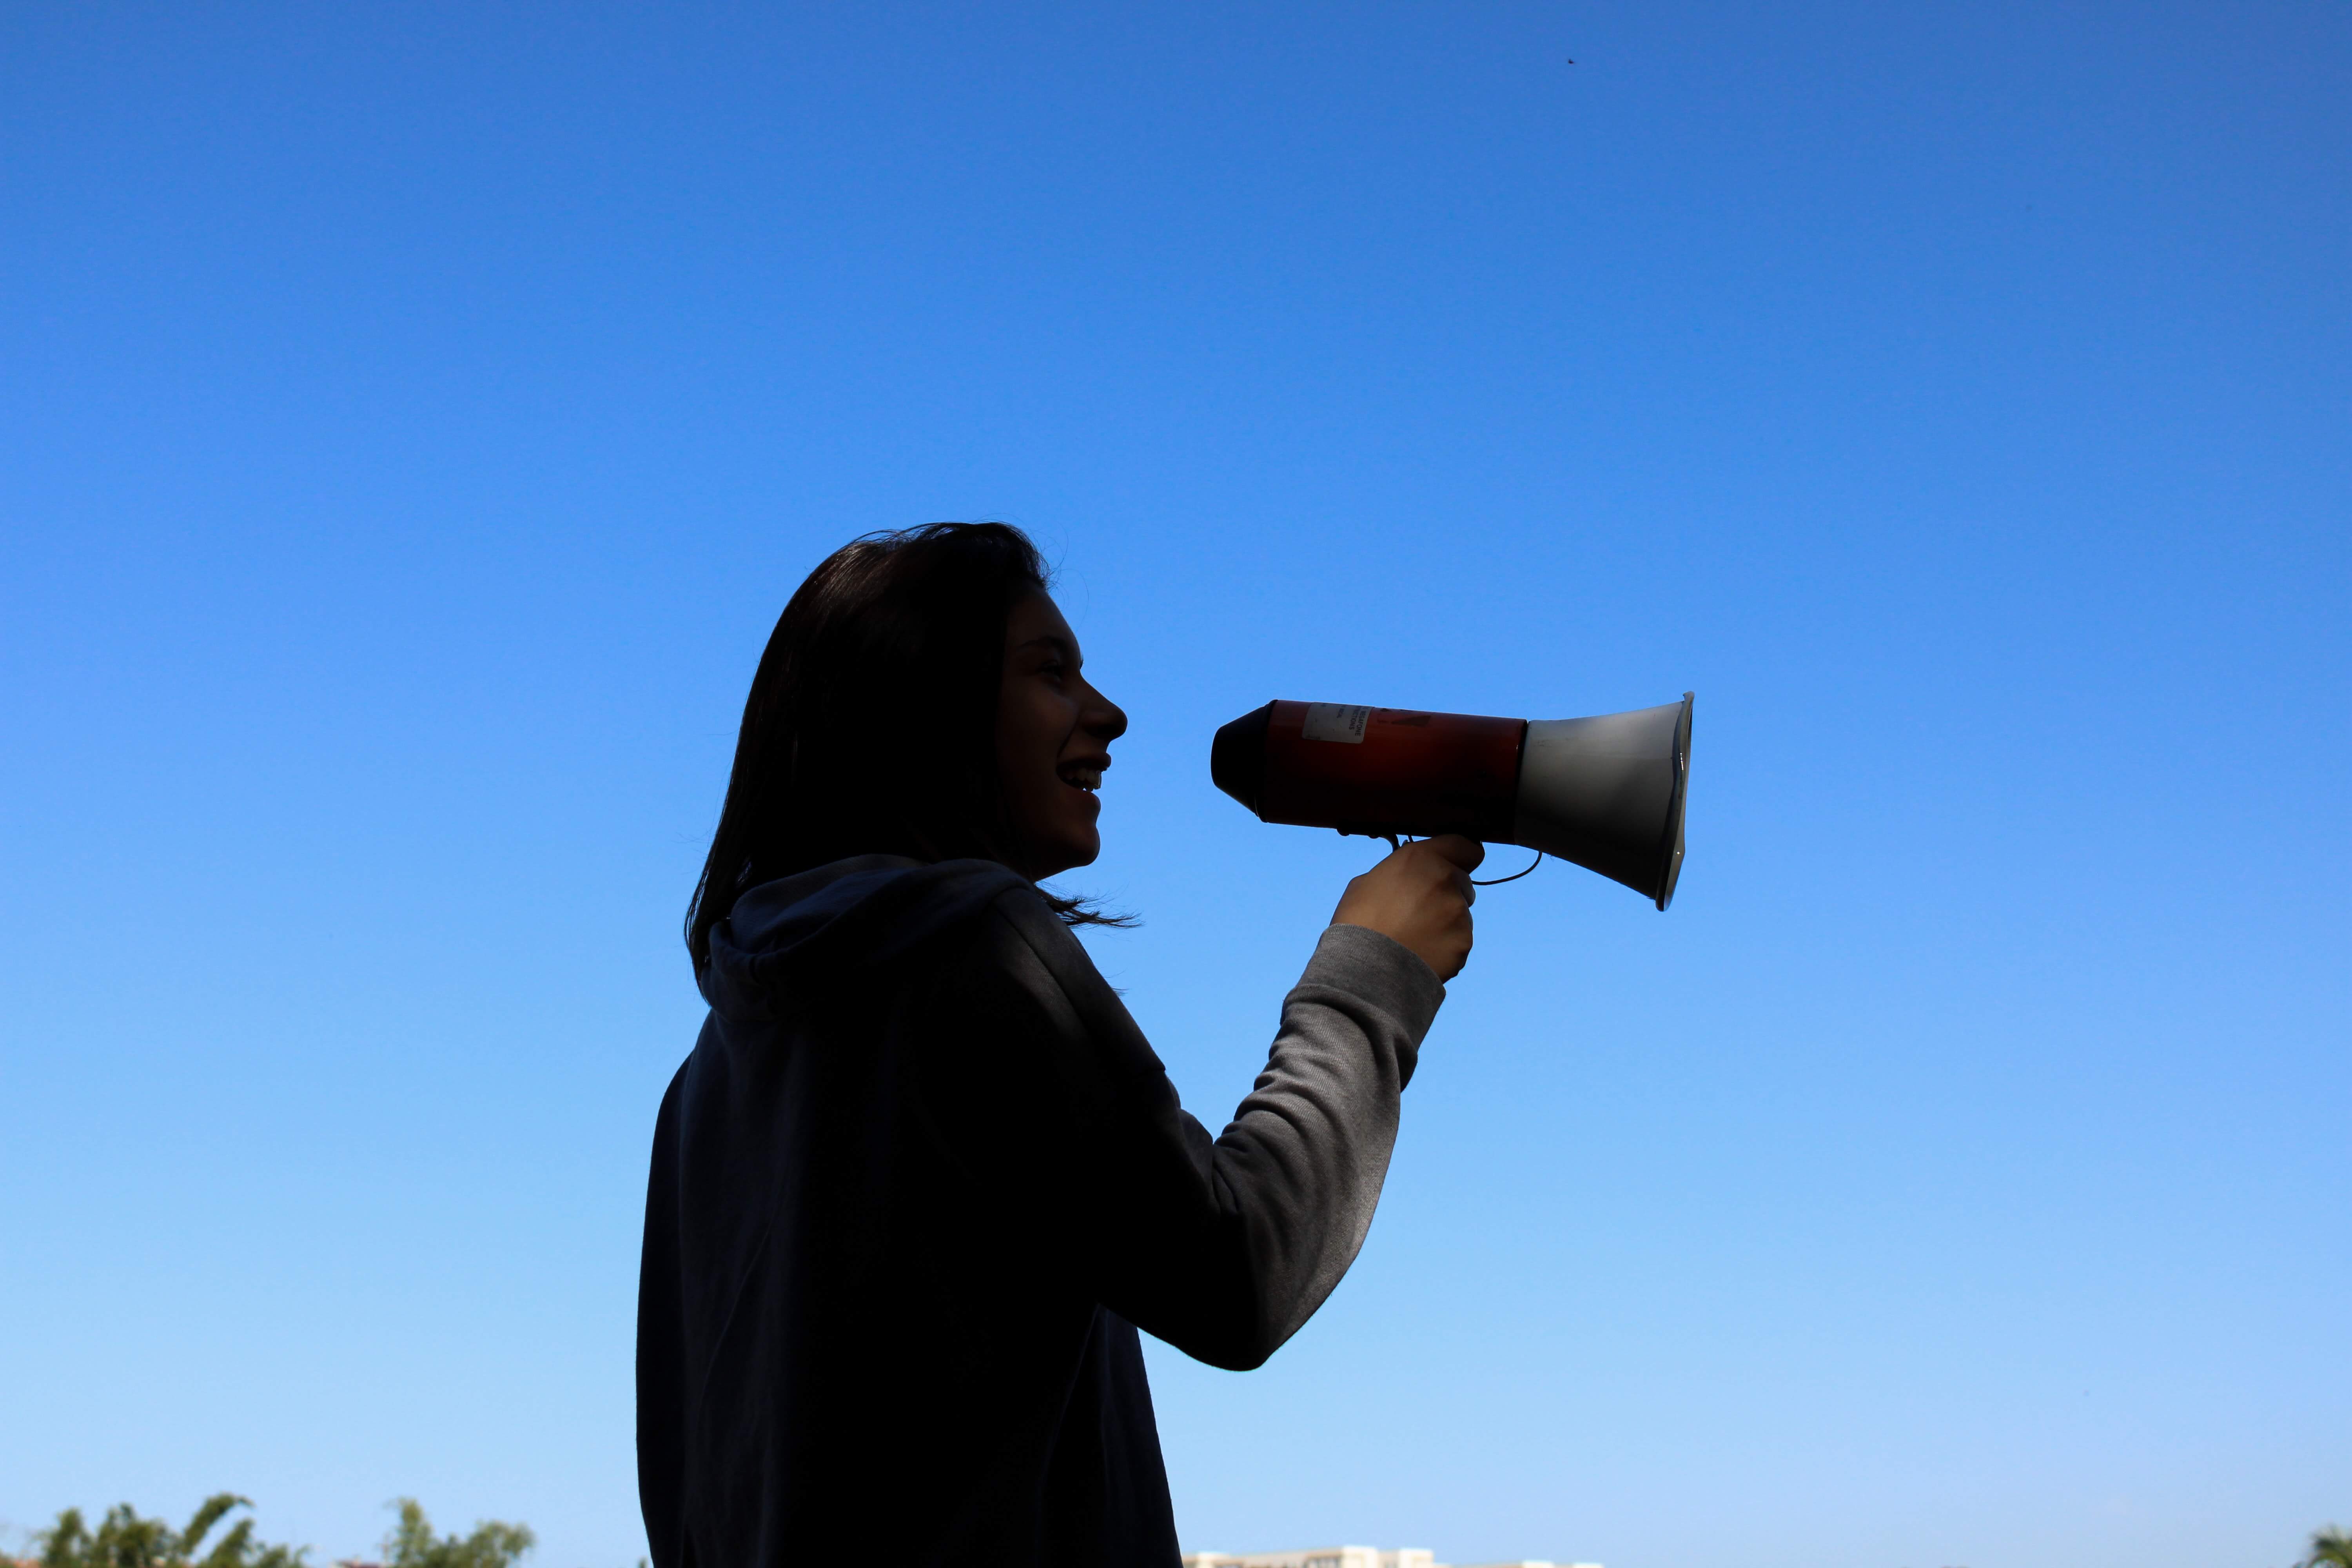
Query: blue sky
{"type": "Point", "coordinates": [413, 418]}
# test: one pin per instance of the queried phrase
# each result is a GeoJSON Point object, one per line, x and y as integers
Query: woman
{"type": "Point", "coordinates": [922, 1179]}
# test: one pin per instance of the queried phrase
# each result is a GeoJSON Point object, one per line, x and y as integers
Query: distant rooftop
{"type": "Point", "coordinates": [1354, 1557]}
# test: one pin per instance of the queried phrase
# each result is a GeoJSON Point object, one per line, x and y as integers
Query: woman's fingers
{"type": "Point", "coordinates": [1466, 853]}
{"type": "Point", "coordinates": [1419, 898]}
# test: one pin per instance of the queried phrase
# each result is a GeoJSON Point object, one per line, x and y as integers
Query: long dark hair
{"type": "Point", "coordinates": [871, 726]}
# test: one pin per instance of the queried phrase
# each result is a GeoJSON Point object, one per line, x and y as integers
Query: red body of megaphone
{"type": "Point", "coordinates": [1605, 792]}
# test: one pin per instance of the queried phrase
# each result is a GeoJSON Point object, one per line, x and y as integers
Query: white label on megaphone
{"type": "Point", "coordinates": [1336, 722]}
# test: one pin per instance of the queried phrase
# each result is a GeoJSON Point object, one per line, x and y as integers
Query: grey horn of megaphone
{"type": "Point", "coordinates": [1607, 792]}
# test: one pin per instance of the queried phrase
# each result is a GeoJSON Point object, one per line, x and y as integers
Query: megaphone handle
{"type": "Point", "coordinates": [1395, 844]}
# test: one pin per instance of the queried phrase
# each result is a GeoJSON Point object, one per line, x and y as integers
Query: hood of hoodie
{"type": "Point", "coordinates": [803, 930]}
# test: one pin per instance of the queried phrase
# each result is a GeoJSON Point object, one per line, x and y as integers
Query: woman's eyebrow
{"type": "Point", "coordinates": [1065, 648]}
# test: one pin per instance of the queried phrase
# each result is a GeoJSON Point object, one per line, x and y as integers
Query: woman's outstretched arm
{"type": "Point", "coordinates": [1220, 1246]}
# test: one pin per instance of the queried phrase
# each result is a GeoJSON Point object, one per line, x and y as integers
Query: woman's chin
{"type": "Point", "coordinates": [1070, 853]}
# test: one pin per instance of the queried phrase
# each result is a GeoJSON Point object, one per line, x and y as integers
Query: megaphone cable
{"type": "Point", "coordinates": [1498, 881]}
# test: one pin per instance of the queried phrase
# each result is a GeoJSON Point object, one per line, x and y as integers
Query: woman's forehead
{"type": "Point", "coordinates": [1036, 619]}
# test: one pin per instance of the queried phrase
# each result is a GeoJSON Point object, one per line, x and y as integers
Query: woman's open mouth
{"type": "Point", "coordinates": [1085, 775]}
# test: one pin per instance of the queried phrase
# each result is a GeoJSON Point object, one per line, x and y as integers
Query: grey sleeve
{"type": "Point", "coordinates": [1307, 1153]}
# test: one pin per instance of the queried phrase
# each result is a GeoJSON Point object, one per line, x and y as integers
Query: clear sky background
{"type": "Point", "coordinates": [412, 419]}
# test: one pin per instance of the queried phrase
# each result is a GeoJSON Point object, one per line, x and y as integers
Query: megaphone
{"type": "Point", "coordinates": [1605, 792]}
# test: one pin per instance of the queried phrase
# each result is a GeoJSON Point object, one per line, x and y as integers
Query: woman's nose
{"type": "Point", "coordinates": [1108, 720]}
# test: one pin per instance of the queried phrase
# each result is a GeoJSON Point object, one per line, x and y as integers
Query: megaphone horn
{"type": "Point", "coordinates": [1605, 792]}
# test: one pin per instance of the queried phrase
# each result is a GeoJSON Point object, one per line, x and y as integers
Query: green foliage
{"type": "Point", "coordinates": [411, 1543]}
{"type": "Point", "coordinates": [2330, 1548]}
{"type": "Point", "coordinates": [123, 1539]}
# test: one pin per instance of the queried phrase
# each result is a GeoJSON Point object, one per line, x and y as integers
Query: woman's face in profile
{"type": "Point", "coordinates": [1053, 742]}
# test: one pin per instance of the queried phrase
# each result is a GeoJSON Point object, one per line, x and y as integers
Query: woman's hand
{"type": "Point", "coordinates": [1419, 898]}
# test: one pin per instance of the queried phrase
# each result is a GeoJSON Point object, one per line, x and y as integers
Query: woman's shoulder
{"type": "Point", "coordinates": [1017, 985]}
{"type": "Point", "coordinates": [1018, 953]}
{"type": "Point", "coordinates": [1018, 921]}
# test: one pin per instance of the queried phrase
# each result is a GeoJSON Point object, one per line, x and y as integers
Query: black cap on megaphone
{"type": "Point", "coordinates": [1607, 792]}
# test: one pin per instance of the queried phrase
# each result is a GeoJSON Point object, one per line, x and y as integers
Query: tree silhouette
{"type": "Point", "coordinates": [411, 1543]}
{"type": "Point", "coordinates": [123, 1539]}
{"type": "Point", "coordinates": [2330, 1548]}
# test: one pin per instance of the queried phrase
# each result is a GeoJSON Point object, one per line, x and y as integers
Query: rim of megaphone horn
{"type": "Point", "coordinates": [1670, 869]}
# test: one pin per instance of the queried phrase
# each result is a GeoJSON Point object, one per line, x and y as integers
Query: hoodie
{"type": "Point", "coordinates": [917, 1186]}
